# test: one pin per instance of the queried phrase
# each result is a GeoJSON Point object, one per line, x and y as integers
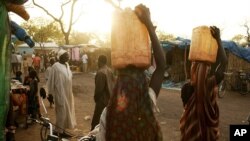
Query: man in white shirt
{"type": "Point", "coordinates": [14, 62]}
{"type": "Point", "coordinates": [60, 86]}
{"type": "Point", "coordinates": [19, 61]}
{"type": "Point", "coordinates": [85, 62]}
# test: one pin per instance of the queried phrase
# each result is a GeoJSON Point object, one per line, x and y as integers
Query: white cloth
{"type": "Point", "coordinates": [47, 72]}
{"type": "Point", "coordinates": [60, 86]}
{"type": "Point", "coordinates": [19, 58]}
{"type": "Point", "coordinates": [14, 58]}
{"type": "Point", "coordinates": [84, 58]}
{"type": "Point", "coordinates": [100, 129]}
{"type": "Point", "coordinates": [60, 52]}
{"type": "Point", "coordinates": [152, 96]}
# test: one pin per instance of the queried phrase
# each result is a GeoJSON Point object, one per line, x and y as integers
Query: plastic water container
{"type": "Point", "coordinates": [203, 46]}
{"type": "Point", "coordinates": [130, 43]}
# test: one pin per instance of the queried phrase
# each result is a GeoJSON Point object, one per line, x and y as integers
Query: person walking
{"type": "Point", "coordinates": [84, 62]}
{"type": "Point", "coordinates": [36, 63]}
{"type": "Point", "coordinates": [60, 86]}
{"type": "Point", "coordinates": [129, 114]}
{"type": "Point", "coordinates": [200, 119]}
{"type": "Point", "coordinates": [19, 61]}
{"type": "Point", "coordinates": [25, 66]}
{"type": "Point", "coordinates": [14, 63]}
{"type": "Point", "coordinates": [47, 74]}
{"type": "Point", "coordinates": [104, 81]}
{"type": "Point", "coordinates": [33, 98]}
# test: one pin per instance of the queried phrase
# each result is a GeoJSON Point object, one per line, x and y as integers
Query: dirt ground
{"type": "Point", "coordinates": [234, 109]}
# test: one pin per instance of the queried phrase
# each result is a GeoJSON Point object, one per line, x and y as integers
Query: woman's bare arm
{"type": "Point", "coordinates": [221, 59]}
{"type": "Point", "coordinates": [143, 14]}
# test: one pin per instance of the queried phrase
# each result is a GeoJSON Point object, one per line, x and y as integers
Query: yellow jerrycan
{"type": "Point", "coordinates": [203, 46]}
{"type": "Point", "coordinates": [130, 43]}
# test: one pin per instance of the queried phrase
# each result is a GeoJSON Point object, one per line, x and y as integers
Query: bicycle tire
{"type": "Point", "coordinates": [44, 133]}
{"type": "Point", "coordinates": [222, 89]}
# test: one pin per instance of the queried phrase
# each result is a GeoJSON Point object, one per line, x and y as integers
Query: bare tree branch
{"type": "Point", "coordinates": [45, 10]}
{"type": "Point", "coordinates": [62, 8]}
{"type": "Point", "coordinates": [59, 20]}
{"type": "Point", "coordinates": [78, 17]}
{"type": "Point", "coordinates": [71, 15]}
{"type": "Point", "coordinates": [248, 32]}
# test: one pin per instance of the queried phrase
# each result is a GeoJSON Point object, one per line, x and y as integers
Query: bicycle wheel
{"type": "Point", "coordinates": [44, 131]}
{"type": "Point", "coordinates": [222, 89]}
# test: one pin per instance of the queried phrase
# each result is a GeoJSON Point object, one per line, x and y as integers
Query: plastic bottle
{"type": "Point", "coordinates": [203, 46]}
{"type": "Point", "coordinates": [130, 43]}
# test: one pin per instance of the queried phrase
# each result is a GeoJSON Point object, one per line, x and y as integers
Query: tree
{"type": "Point", "coordinates": [80, 38]}
{"type": "Point", "coordinates": [43, 30]}
{"type": "Point", "coordinates": [59, 20]}
{"type": "Point", "coordinates": [163, 36]}
{"type": "Point", "coordinates": [248, 31]}
{"type": "Point", "coordinates": [238, 38]}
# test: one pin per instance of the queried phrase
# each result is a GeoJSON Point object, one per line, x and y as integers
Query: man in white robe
{"type": "Point", "coordinates": [60, 86]}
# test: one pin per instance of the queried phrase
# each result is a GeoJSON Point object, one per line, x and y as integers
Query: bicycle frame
{"type": "Point", "coordinates": [51, 137]}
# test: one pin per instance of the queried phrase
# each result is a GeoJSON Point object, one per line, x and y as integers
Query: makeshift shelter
{"type": "Point", "coordinates": [178, 63]}
{"type": "Point", "coordinates": [93, 52]}
{"type": "Point", "coordinates": [40, 48]}
{"type": "Point", "coordinates": [177, 59]}
{"type": "Point", "coordinates": [93, 57]}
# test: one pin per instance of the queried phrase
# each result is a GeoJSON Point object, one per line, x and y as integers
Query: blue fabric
{"type": "Point", "coordinates": [231, 46]}
{"type": "Point", "coordinates": [21, 34]}
{"type": "Point", "coordinates": [237, 50]}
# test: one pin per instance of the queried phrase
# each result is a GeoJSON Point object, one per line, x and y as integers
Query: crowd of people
{"type": "Point", "coordinates": [124, 104]}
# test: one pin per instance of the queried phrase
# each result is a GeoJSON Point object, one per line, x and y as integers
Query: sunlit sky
{"type": "Point", "coordinates": [177, 17]}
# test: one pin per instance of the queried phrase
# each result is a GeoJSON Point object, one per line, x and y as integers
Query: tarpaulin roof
{"type": "Point", "coordinates": [231, 46]}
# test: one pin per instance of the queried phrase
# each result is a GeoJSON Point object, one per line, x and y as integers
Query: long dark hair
{"type": "Point", "coordinates": [129, 112]}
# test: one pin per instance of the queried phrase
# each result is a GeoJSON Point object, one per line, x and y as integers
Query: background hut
{"type": "Point", "coordinates": [177, 59]}
{"type": "Point", "coordinates": [179, 66]}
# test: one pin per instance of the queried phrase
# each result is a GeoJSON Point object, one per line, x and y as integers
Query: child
{"type": "Point", "coordinates": [25, 66]}
{"type": "Point", "coordinates": [18, 76]}
{"type": "Point", "coordinates": [34, 106]}
{"type": "Point", "coordinates": [27, 77]}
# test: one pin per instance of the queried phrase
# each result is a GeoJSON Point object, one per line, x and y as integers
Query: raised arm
{"type": "Point", "coordinates": [143, 14]}
{"type": "Point", "coordinates": [221, 59]}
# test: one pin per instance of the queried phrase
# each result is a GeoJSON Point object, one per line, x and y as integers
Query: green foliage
{"type": "Point", "coordinates": [240, 39]}
{"type": "Point", "coordinates": [163, 36]}
{"type": "Point", "coordinates": [43, 30]}
{"type": "Point", "coordinates": [80, 38]}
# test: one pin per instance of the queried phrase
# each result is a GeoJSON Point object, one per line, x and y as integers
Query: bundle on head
{"type": "Point", "coordinates": [200, 119]}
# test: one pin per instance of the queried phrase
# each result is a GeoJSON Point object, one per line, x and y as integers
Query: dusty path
{"type": "Point", "coordinates": [234, 109]}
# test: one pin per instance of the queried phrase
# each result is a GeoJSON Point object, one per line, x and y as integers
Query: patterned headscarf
{"type": "Point", "coordinates": [129, 112]}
